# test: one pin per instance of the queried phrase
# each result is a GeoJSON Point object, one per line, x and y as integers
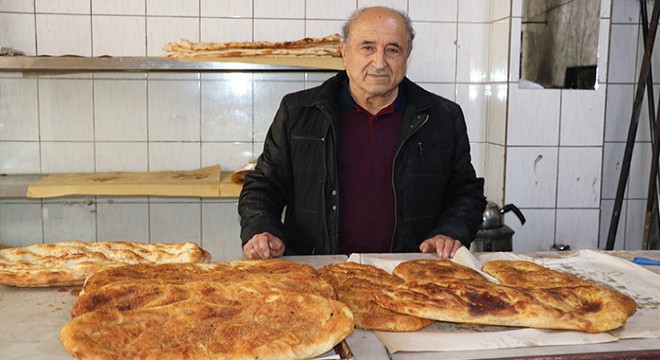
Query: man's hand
{"type": "Point", "coordinates": [263, 246]}
{"type": "Point", "coordinates": [444, 246]}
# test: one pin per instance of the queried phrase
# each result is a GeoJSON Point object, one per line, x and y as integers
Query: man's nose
{"type": "Point", "coordinates": [379, 60]}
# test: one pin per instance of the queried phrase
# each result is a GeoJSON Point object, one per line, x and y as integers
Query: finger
{"type": "Point", "coordinates": [248, 251]}
{"type": "Point", "coordinates": [276, 247]}
{"type": "Point", "coordinates": [275, 244]}
{"type": "Point", "coordinates": [426, 247]}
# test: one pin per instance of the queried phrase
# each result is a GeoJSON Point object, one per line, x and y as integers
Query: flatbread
{"type": "Point", "coordinates": [68, 263]}
{"type": "Point", "coordinates": [281, 326]}
{"type": "Point", "coordinates": [327, 46]}
{"type": "Point", "coordinates": [529, 274]}
{"type": "Point", "coordinates": [467, 299]}
{"type": "Point", "coordinates": [246, 309]}
{"type": "Point", "coordinates": [357, 284]}
{"type": "Point", "coordinates": [300, 277]}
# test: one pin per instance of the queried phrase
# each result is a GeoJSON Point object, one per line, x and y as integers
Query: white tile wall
{"type": "Point", "coordinates": [473, 11]}
{"type": "Point", "coordinates": [62, 157]}
{"type": "Point", "coordinates": [575, 227]}
{"type": "Point", "coordinates": [498, 54]}
{"type": "Point", "coordinates": [623, 40]}
{"type": "Point", "coordinates": [19, 117]}
{"type": "Point", "coordinates": [472, 53]}
{"type": "Point", "coordinates": [531, 176]}
{"type": "Point", "coordinates": [118, 7]}
{"type": "Point", "coordinates": [120, 111]}
{"type": "Point", "coordinates": [281, 9]}
{"type": "Point", "coordinates": [223, 30]}
{"type": "Point", "coordinates": [19, 157]}
{"type": "Point", "coordinates": [531, 145]}
{"type": "Point", "coordinates": [17, 6]}
{"type": "Point", "coordinates": [533, 117]}
{"type": "Point", "coordinates": [133, 217]}
{"type": "Point", "coordinates": [17, 31]}
{"type": "Point", "coordinates": [226, 8]}
{"type": "Point", "coordinates": [538, 232]}
{"type": "Point", "coordinates": [322, 9]}
{"type": "Point", "coordinates": [71, 220]}
{"type": "Point", "coordinates": [175, 222]}
{"type": "Point", "coordinates": [64, 34]}
{"type": "Point", "coordinates": [424, 64]}
{"type": "Point", "coordinates": [582, 114]}
{"type": "Point", "coordinates": [472, 98]}
{"type": "Point", "coordinates": [221, 230]}
{"type": "Point", "coordinates": [123, 35]}
{"type": "Point", "coordinates": [278, 29]}
{"type": "Point", "coordinates": [439, 10]}
{"type": "Point", "coordinates": [65, 110]}
{"type": "Point", "coordinates": [172, 8]}
{"type": "Point", "coordinates": [163, 30]}
{"type": "Point", "coordinates": [579, 172]}
{"type": "Point", "coordinates": [121, 156]}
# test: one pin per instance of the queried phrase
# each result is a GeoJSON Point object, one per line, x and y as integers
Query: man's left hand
{"type": "Point", "coordinates": [444, 246]}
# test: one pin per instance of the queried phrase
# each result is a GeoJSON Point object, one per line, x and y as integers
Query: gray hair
{"type": "Point", "coordinates": [406, 20]}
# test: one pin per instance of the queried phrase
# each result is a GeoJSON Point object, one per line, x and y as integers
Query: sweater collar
{"type": "Point", "coordinates": [346, 100]}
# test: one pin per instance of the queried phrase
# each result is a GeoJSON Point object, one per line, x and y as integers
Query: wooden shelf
{"type": "Point", "coordinates": [16, 186]}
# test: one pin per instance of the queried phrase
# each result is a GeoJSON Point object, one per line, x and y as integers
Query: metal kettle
{"type": "Point", "coordinates": [493, 216]}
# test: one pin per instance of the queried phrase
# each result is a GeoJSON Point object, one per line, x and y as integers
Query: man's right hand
{"type": "Point", "coordinates": [263, 246]}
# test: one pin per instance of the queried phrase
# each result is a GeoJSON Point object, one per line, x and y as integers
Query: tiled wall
{"type": "Point", "coordinates": [548, 162]}
{"type": "Point", "coordinates": [554, 154]}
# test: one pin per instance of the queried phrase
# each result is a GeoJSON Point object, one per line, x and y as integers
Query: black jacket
{"type": "Point", "coordinates": [436, 188]}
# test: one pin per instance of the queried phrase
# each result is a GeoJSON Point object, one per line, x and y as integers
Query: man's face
{"type": "Point", "coordinates": [376, 52]}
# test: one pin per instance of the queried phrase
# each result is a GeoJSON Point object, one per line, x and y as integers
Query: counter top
{"type": "Point", "coordinates": [31, 319]}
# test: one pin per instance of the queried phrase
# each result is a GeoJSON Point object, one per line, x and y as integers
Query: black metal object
{"type": "Point", "coordinates": [651, 220]}
{"type": "Point", "coordinates": [495, 239]}
{"type": "Point", "coordinates": [634, 122]}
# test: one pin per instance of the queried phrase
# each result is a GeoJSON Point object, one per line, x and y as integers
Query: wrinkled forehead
{"type": "Point", "coordinates": [379, 26]}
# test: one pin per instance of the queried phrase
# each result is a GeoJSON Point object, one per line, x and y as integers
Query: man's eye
{"type": "Point", "coordinates": [367, 47]}
{"type": "Point", "coordinates": [393, 51]}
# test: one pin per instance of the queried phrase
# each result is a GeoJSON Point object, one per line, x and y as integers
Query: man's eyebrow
{"type": "Point", "coordinates": [396, 44]}
{"type": "Point", "coordinates": [371, 42]}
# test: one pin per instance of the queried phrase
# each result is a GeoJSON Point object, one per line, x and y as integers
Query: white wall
{"type": "Point", "coordinates": [542, 150]}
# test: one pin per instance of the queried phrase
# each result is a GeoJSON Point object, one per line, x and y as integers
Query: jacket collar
{"type": "Point", "coordinates": [417, 99]}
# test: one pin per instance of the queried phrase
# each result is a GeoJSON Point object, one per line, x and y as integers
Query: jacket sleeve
{"type": "Point", "coordinates": [267, 188]}
{"type": "Point", "coordinates": [464, 201]}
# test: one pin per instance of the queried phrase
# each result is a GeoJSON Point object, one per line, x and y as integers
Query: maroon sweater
{"type": "Point", "coordinates": [366, 156]}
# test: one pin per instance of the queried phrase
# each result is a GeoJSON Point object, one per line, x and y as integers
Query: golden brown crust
{"type": "Point", "coordinates": [467, 299]}
{"type": "Point", "coordinates": [434, 271]}
{"type": "Point", "coordinates": [282, 326]}
{"type": "Point", "coordinates": [532, 275]}
{"type": "Point", "coordinates": [259, 274]}
{"type": "Point", "coordinates": [583, 308]}
{"type": "Point", "coordinates": [69, 263]}
{"type": "Point", "coordinates": [139, 293]}
{"type": "Point", "coordinates": [312, 46]}
{"type": "Point", "coordinates": [265, 309]}
{"type": "Point", "coordinates": [356, 285]}
{"type": "Point", "coordinates": [529, 274]}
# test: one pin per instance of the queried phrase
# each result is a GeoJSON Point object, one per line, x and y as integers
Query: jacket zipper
{"type": "Point", "coordinates": [333, 244]}
{"type": "Point", "coordinates": [396, 155]}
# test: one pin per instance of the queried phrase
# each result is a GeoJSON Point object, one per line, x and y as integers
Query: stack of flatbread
{"type": "Point", "coordinates": [68, 263]}
{"type": "Point", "coordinates": [327, 46]}
{"type": "Point", "coordinates": [249, 309]}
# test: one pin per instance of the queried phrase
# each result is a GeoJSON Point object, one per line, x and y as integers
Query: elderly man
{"type": "Point", "coordinates": [367, 162]}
